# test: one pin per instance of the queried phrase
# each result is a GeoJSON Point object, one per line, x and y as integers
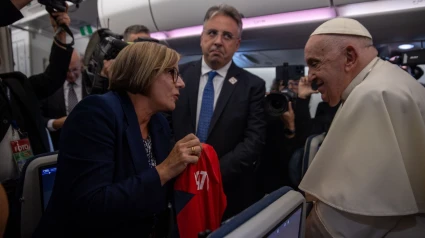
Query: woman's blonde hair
{"type": "Point", "coordinates": [138, 64]}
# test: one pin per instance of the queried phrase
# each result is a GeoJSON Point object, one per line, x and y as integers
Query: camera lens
{"type": "Point", "coordinates": [276, 104]}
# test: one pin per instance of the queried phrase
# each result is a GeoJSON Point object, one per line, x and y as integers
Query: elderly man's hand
{"type": "Point", "coordinates": [304, 88]}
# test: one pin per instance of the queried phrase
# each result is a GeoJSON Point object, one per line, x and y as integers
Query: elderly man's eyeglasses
{"type": "Point", "coordinates": [175, 73]}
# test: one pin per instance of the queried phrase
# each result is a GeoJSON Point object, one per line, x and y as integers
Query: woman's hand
{"type": "Point", "coordinates": [186, 151]}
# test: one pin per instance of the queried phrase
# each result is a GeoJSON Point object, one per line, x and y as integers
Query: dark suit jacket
{"type": "Point", "coordinates": [237, 129]}
{"type": "Point", "coordinates": [8, 13]}
{"type": "Point", "coordinates": [28, 92]}
{"type": "Point", "coordinates": [104, 186]}
{"type": "Point", "coordinates": [54, 107]}
{"type": "Point", "coordinates": [324, 117]}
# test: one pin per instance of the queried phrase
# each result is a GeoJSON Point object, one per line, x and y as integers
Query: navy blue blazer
{"type": "Point", "coordinates": [104, 186]}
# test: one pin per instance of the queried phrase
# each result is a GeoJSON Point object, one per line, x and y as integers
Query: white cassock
{"type": "Point", "coordinates": [369, 173]}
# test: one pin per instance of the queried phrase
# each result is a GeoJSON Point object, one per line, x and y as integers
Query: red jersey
{"type": "Point", "coordinates": [199, 197]}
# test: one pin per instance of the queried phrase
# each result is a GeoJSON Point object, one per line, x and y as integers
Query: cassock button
{"type": "Point", "coordinates": [5, 121]}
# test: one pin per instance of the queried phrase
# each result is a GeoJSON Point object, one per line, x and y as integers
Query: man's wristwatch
{"type": "Point", "coordinates": [289, 132]}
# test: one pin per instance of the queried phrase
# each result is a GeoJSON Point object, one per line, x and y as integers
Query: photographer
{"type": "Point", "coordinates": [20, 116]}
{"type": "Point", "coordinates": [285, 134]}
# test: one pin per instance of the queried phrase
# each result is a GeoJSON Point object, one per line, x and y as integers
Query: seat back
{"type": "Point", "coordinates": [30, 192]}
{"type": "Point", "coordinates": [267, 216]}
{"type": "Point", "coordinates": [310, 150]}
{"type": "Point", "coordinates": [295, 167]}
{"type": "Point", "coordinates": [49, 139]}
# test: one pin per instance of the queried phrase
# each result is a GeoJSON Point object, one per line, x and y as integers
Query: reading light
{"type": "Point", "coordinates": [406, 46]}
{"type": "Point", "coordinates": [319, 14]}
{"type": "Point", "coordinates": [159, 35]}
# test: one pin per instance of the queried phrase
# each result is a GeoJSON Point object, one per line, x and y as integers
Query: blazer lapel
{"type": "Point", "coordinates": [225, 94]}
{"type": "Point", "coordinates": [134, 136]}
{"type": "Point", "coordinates": [192, 85]}
{"type": "Point", "coordinates": [160, 150]}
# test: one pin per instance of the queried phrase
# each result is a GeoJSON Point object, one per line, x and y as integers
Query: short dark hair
{"type": "Point", "coordinates": [135, 29]}
{"type": "Point", "coordinates": [225, 10]}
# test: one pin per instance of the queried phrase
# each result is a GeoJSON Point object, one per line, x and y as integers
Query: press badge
{"type": "Point", "coordinates": [21, 150]}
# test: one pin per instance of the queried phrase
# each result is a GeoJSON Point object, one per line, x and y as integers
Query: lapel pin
{"type": "Point", "coordinates": [232, 80]}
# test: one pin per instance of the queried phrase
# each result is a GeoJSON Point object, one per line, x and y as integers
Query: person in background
{"type": "Point", "coordinates": [285, 134]}
{"type": "Point", "coordinates": [56, 107]}
{"type": "Point", "coordinates": [133, 32]}
{"type": "Point", "coordinates": [115, 160]}
{"type": "Point", "coordinates": [367, 179]}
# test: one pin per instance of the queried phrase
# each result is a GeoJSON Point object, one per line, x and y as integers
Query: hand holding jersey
{"type": "Point", "coordinates": [186, 151]}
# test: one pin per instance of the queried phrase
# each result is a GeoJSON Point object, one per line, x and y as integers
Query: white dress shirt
{"type": "Point", "coordinates": [217, 82]}
{"type": "Point", "coordinates": [78, 88]}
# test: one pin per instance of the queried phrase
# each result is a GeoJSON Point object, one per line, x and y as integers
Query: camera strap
{"type": "Point", "coordinates": [64, 27]}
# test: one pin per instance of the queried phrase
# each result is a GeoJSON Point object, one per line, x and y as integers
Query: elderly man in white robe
{"type": "Point", "coordinates": [368, 177]}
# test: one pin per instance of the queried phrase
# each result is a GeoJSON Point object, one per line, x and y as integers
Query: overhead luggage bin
{"type": "Point", "coordinates": [119, 14]}
{"type": "Point", "coordinates": [389, 21]}
{"type": "Point", "coordinates": [344, 2]}
{"type": "Point", "coordinates": [173, 14]}
{"type": "Point", "coordinates": [288, 30]}
{"type": "Point", "coordinates": [383, 7]}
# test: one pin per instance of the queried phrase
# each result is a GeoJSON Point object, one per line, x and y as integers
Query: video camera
{"type": "Point", "coordinates": [103, 45]}
{"type": "Point", "coordinates": [408, 61]}
{"type": "Point", "coordinates": [277, 102]}
{"type": "Point", "coordinates": [58, 5]}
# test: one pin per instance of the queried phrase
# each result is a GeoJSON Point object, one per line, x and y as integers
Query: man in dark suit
{"type": "Point", "coordinates": [223, 105]}
{"type": "Point", "coordinates": [57, 107]}
{"type": "Point", "coordinates": [133, 32]}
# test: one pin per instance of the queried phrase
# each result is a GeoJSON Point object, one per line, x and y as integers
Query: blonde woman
{"type": "Point", "coordinates": [115, 163]}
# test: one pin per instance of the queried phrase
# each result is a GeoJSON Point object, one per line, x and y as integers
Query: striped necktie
{"type": "Point", "coordinates": [72, 97]}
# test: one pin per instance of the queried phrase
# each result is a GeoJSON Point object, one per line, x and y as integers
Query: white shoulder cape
{"type": "Point", "coordinates": [372, 161]}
